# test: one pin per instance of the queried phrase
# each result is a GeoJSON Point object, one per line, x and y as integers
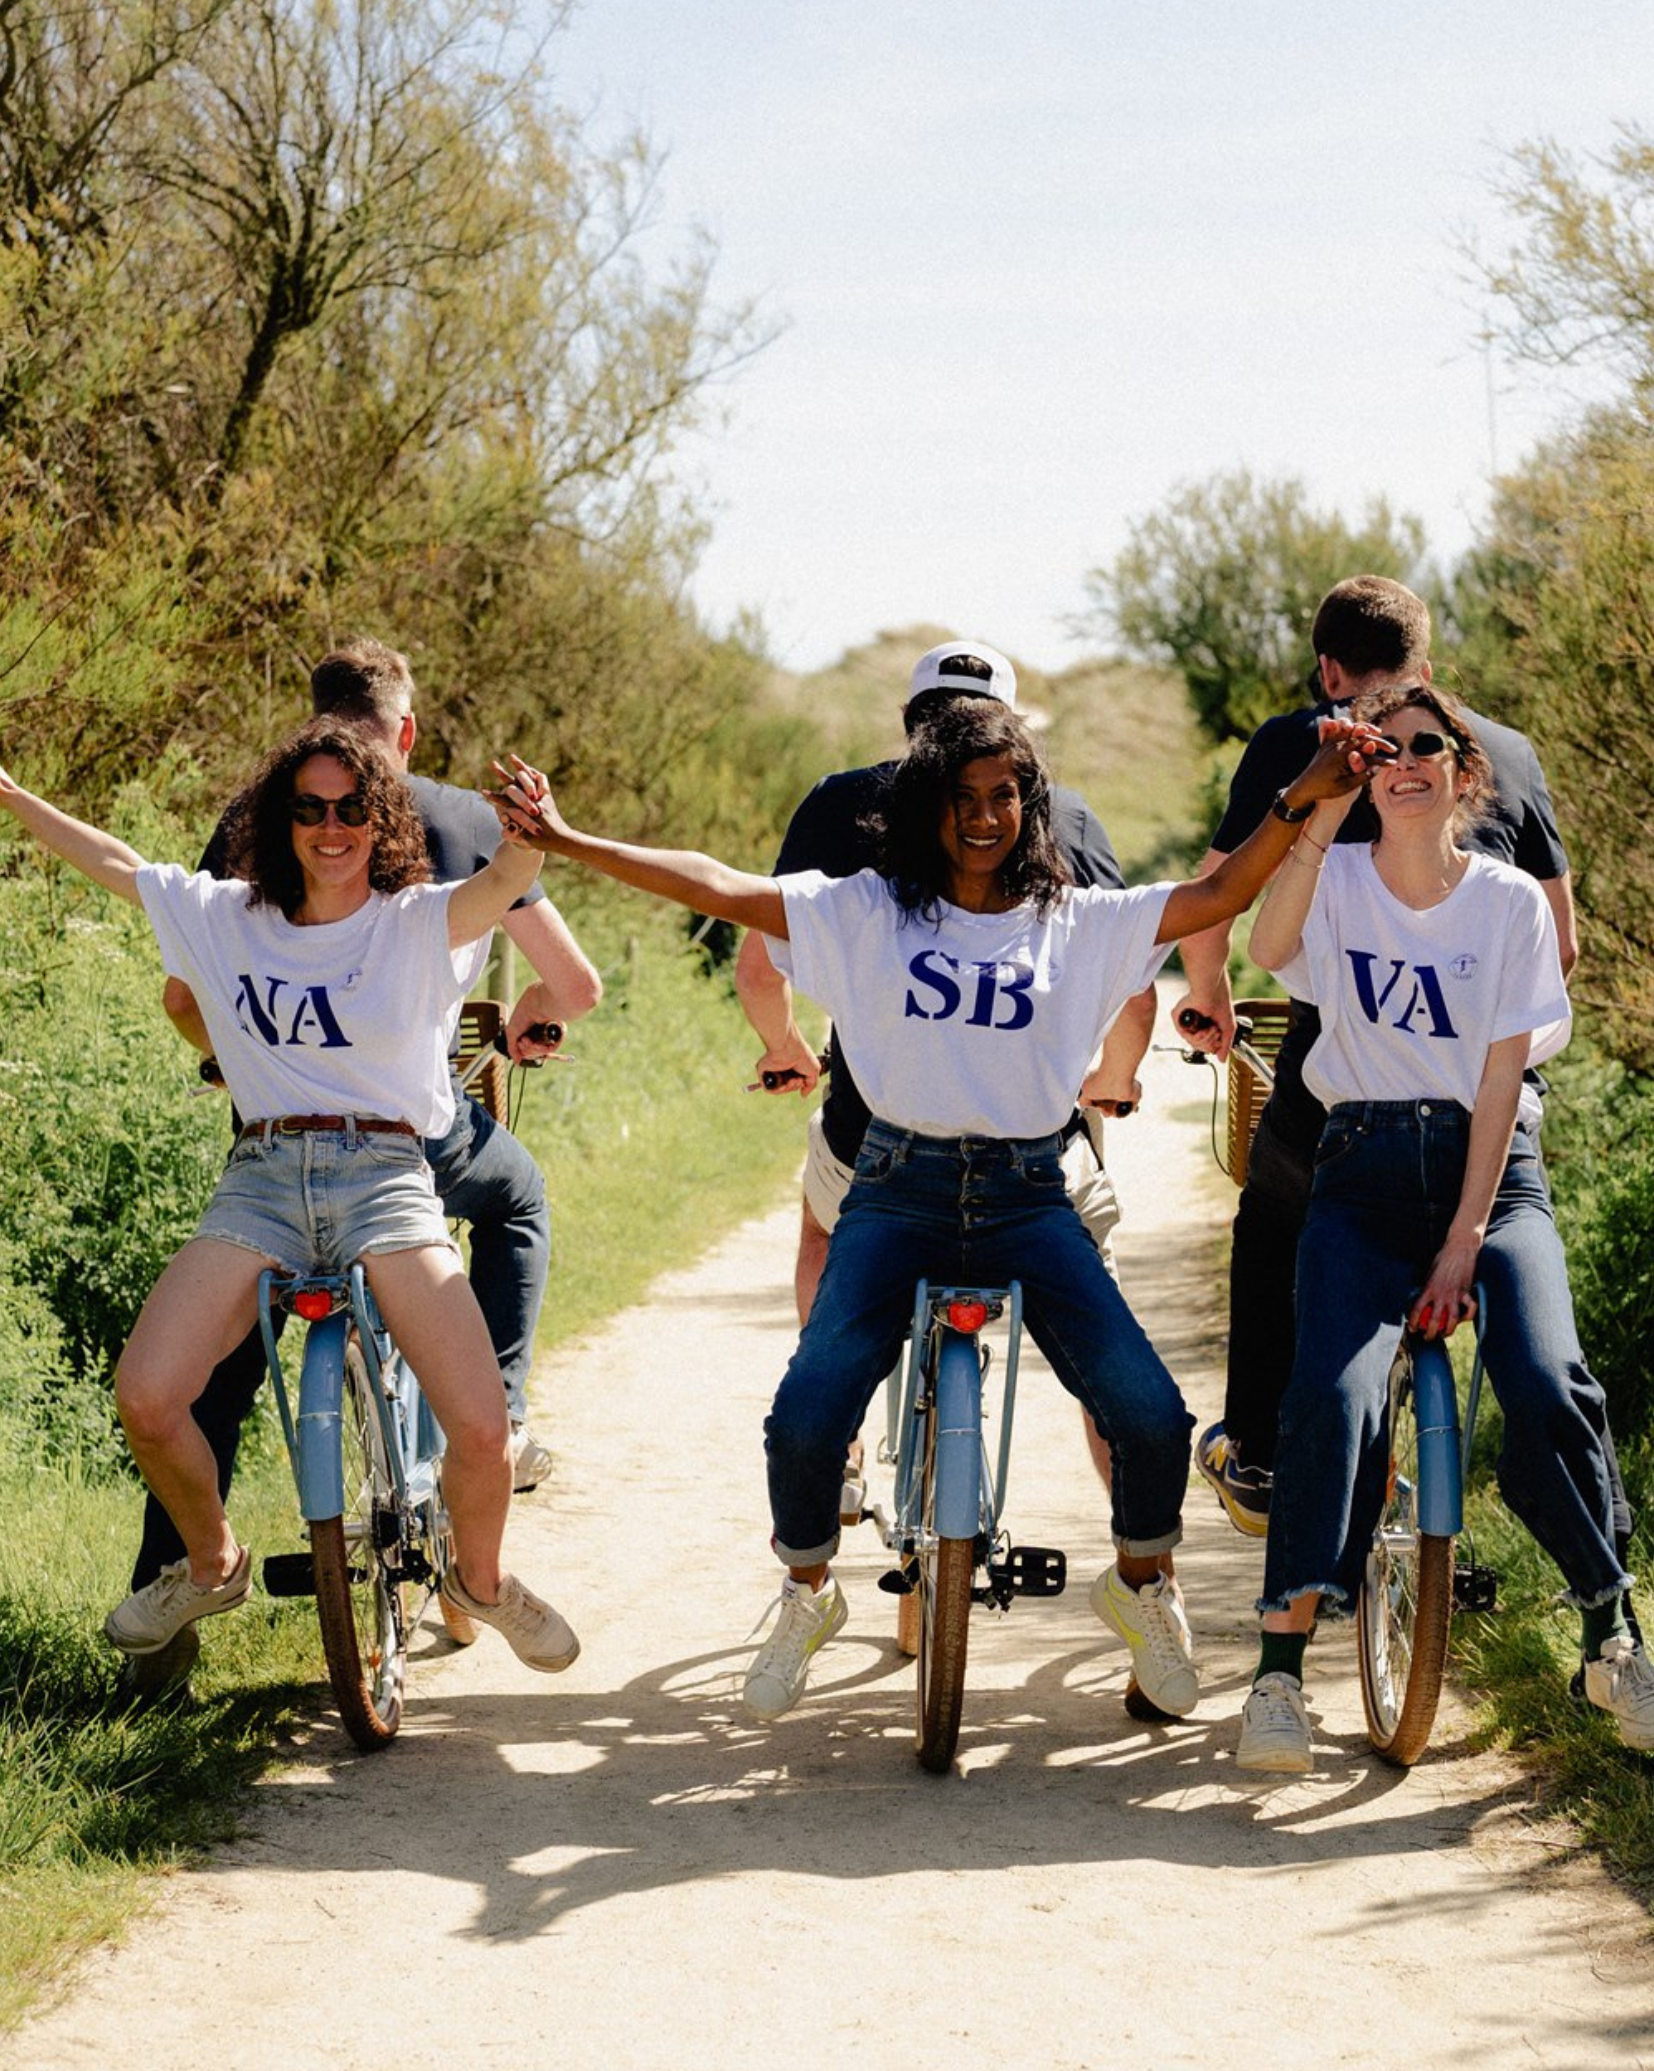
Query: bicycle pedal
{"type": "Point", "coordinates": [289, 1574]}
{"type": "Point", "coordinates": [899, 1581]}
{"type": "Point", "coordinates": [1034, 1570]}
{"type": "Point", "coordinates": [1475, 1588]}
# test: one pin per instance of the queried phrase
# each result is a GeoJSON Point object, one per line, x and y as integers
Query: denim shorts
{"type": "Point", "coordinates": [317, 1202]}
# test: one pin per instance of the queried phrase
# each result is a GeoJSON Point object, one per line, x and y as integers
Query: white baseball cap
{"type": "Point", "coordinates": [964, 666]}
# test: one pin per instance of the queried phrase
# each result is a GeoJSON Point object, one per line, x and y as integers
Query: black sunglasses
{"type": "Point", "coordinates": [1423, 745]}
{"type": "Point", "coordinates": [313, 812]}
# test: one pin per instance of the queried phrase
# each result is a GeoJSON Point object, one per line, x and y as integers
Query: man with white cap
{"type": "Point", "coordinates": [827, 833]}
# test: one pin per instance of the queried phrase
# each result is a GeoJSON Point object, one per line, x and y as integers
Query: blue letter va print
{"type": "Point", "coordinates": [1424, 1001]}
{"type": "Point", "coordinates": [990, 986]}
{"type": "Point", "coordinates": [309, 1020]}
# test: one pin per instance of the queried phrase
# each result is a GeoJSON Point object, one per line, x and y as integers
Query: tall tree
{"type": "Point", "coordinates": [1223, 583]}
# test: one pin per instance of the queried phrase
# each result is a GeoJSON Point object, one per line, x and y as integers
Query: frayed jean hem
{"type": "Point", "coordinates": [1602, 1596]}
{"type": "Point", "coordinates": [1335, 1602]}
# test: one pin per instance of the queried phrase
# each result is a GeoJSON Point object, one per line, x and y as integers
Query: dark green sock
{"type": "Point", "coordinates": [1601, 1623]}
{"type": "Point", "coordinates": [1282, 1653]}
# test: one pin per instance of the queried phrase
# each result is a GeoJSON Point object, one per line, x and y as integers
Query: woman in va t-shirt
{"type": "Point", "coordinates": [327, 981]}
{"type": "Point", "coordinates": [972, 983]}
{"type": "Point", "coordinates": [1438, 980]}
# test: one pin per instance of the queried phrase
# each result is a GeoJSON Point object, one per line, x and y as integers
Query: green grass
{"type": "Point", "coordinates": [1518, 1661]}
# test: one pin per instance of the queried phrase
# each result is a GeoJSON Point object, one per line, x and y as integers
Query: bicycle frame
{"type": "Point", "coordinates": [944, 1375]}
{"type": "Point", "coordinates": [1444, 1445]}
{"type": "Point", "coordinates": [412, 1438]}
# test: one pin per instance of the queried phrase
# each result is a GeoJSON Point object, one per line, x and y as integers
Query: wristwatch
{"type": "Point", "coordinates": [1294, 815]}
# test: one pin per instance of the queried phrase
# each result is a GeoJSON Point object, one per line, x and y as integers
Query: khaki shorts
{"type": "Point", "coordinates": [827, 1181]}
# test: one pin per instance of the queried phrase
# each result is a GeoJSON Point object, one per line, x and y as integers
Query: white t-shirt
{"type": "Point", "coordinates": [348, 1017]}
{"type": "Point", "coordinates": [1411, 1002]}
{"type": "Point", "coordinates": [979, 1024]}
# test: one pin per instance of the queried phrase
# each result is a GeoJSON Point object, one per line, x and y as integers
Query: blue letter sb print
{"type": "Point", "coordinates": [1422, 1002]}
{"type": "Point", "coordinates": [307, 1020]}
{"type": "Point", "coordinates": [993, 995]}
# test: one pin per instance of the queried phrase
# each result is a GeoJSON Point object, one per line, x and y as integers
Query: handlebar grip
{"type": "Point", "coordinates": [209, 1072]}
{"type": "Point", "coordinates": [1192, 1021]}
{"type": "Point", "coordinates": [548, 1032]}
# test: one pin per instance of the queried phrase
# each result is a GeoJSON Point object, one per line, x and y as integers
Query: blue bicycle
{"type": "Point", "coordinates": [950, 1498]}
{"type": "Point", "coordinates": [366, 1454]}
{"type": "Point", "coordinates": [1412, 1581]}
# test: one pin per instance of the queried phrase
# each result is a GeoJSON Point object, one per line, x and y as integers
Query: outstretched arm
{"type": "Point", "coordinates": [1347, 754]}
{"type": "Point", "coordinates": [88, 849]}
{"type": "Point", "coordinates": [529, 812]}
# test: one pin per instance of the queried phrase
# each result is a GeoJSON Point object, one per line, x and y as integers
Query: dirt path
{"type": "Point", "coordinates": [615, 1868]}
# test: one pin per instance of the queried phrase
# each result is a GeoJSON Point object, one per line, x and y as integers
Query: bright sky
{"type": "Point", "coordinates": [1040, 261]}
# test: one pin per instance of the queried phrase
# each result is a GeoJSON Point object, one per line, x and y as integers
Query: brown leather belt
{"type": "Point", "coordinates": [304, 1125]}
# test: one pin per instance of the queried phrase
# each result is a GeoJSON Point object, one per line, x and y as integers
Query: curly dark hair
{"type": "Point", "coordinates": [259, 831]}
{"type": "Point", "coordinates": [1476, 805]}
{"type": "Point", "coordinates": [906, 826]}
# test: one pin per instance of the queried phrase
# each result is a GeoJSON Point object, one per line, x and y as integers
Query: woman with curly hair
{"type": "Point", "coordinates": [969, 983]}
{"type": "Point", "coordinates": [326, 981]}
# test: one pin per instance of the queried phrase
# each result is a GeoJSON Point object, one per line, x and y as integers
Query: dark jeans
{"type": "Point", "coordinates": [1387, 1179]}
{"type": "Point", "coordinates": [1263, 1262]}
{"type": "Point", "coordinates": [482, 1173]}
{"type": "Point", "coordinates": [969, 1211]}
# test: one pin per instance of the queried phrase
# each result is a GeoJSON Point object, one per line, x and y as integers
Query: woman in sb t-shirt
{"type": "Point", "coordinates": [972, 983]}
{"type": "Point", "coordinates": [1438, 980]}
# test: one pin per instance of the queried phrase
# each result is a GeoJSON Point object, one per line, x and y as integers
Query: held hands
{"type": "Point", "coordinates": [527, 811]}
{"type": "Point", "coordinates": [1350, 751]}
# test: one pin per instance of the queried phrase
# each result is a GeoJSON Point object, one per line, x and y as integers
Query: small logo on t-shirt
{"type": "Point", "coordinates": [1464, 965]}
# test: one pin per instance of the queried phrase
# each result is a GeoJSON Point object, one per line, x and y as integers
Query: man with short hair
{"type": "Point", "coordinates": [1370, 633]}
{"type": "Point", "coordinates": [827, 833]}
{"type": "Point", "coordinates": [482, 1172]}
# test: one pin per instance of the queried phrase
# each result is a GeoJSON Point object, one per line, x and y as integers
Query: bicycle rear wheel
{"type": "Point", "coordinates": [358, 1592]}
{"type": "Point", "coordinates": [1406, 1599]}
{"type": "Point", "coordinates": [946, 1569]}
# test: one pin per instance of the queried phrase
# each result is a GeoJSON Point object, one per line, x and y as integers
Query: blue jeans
{"type": "Point", "coordinates": [1387, 1179]}
{"type": "Point", "coordinates": [484, 1174]}
{"type": "Point", "coordinates": [968, 1211]}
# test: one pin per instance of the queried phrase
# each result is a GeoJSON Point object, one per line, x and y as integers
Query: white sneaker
{"type": "Point", "coordinates": [153, 1616]}
{"type": "Point", "coordinates": [1621, 1680]}
{"type": "Point", "coordinates": [1274, 1735]}
{"type": "Point", "coordinates": [538, 1635]}
{"type": "Point", "coordinates": [1152, 1622]}
{"type": "Point", "coordinates": [807, 1621]}
{"type": "Point", "coordinates": [530, 1462]}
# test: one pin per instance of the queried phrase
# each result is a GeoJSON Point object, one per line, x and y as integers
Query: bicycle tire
{"type": "Point", "coordinates": [946, 1571]}
{"type": "Point", "coordinates": [359, 1601]}
{"type": "Point", "coordinates": [1406, 1600]}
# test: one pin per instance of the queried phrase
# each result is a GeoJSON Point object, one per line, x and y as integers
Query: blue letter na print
{"type": "Point", "coordinates": [1425, 999]}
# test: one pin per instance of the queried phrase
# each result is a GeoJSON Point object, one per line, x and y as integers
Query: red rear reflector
{"type": "Point", "coordinates": [967, 1316]}
{"type": "Point", "coordinates": [314, 1305]}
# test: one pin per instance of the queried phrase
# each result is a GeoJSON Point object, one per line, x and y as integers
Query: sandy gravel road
{"type": "Point", "coordinates": [616, 1868]}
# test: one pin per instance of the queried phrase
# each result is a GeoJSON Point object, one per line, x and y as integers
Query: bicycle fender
{"type": "Point", "coordinates": [958, 1438]}
{"type": "Point", "coordinates": [1440, 1499]}
{"type": "Point", "coordinates": [321, 1397]}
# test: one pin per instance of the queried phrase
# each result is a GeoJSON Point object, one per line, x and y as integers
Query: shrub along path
{"type": "Point", "coordinates": [616, 1866]}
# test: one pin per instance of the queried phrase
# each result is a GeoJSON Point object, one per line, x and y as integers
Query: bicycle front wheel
{"type": "Point", "coordinates": [358, 1592]}
{"type": "Point", "coordinates": [946, 1570]}
{"type": "Point", "coordinates": [1406, 1599]}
